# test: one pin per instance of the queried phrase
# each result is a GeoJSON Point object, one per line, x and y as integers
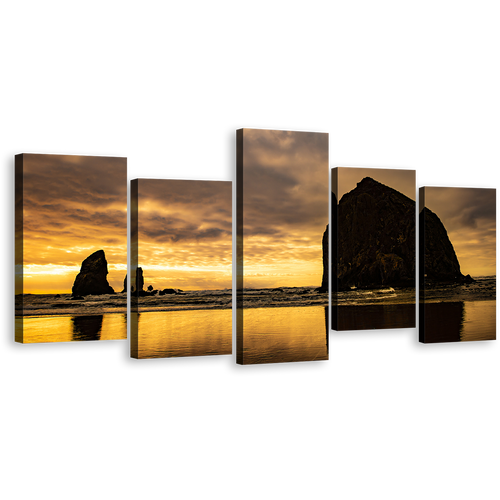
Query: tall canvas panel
{"type": "Point", "coordinates": [373, 248]}
{"type": "Point", "coordinates": [71, 248]}
{"type": "Point", "coordinates": [282, 238]}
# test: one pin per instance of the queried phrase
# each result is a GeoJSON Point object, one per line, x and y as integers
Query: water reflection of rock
{"type": "Point", "coordinates": [443, 320]}
{"type": "Point", "coordinates": [87, 327]}
{"type": "Point", "coordinates": [372, 317]}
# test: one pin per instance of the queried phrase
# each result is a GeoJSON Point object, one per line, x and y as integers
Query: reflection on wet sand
{"type": "Point", "coordinates": [284, 334]}
{"type": "Point", "coordinates": [373, 317]}
{"type": "Point", "coordinates": [87, 327]}
{"type": "Point", "coordinates": [458, 321]}
{"type": "Point", "coordinates": [367, 323]}
{"type": "Point", "coordinates": [443, 322]}
{"type": "Point", "coordinates": [270, 335]}
{"type": "Point", "coordinates": [72, 328]}
{"type": "Point", "coordinates": [167, 334]}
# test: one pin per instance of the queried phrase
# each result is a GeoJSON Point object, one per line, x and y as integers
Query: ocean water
{"type": "Point", "coordinates": [280, 324]}
{"type": "Point", "coordinates": [50, 304]}
{"type": "Point", "coordinates": [61, 304]}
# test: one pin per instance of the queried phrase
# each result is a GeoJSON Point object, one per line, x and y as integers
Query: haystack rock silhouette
{"type": "Point", "coordinates": [377, 241]}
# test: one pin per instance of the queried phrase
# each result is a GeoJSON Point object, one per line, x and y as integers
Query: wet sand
{"type": "Point", "coordinates": [373, 317]}
{"type": "Point", "coordinates": [35, 329]}
{"type": "Point", "coordinates": [270, 335]}
{"type": "Point", "coordinates": [459, 321]}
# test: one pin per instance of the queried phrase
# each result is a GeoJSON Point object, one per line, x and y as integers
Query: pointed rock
{"type": "Point", "coordinates": [91, 280]}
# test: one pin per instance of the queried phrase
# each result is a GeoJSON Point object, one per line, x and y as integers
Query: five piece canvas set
{"type": "Point", "coordinates": [302, 231]}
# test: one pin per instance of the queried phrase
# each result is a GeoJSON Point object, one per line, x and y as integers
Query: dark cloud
{"type": "Point", "coordinates": [184, 210]}
{"type": "Point", "coordinates": [285, 192]}
{"type": "Point", "coordinates": [212, 233]}
{"type": "Point", "coordinates": [174, 235]}
{"type": "Point", "coordinates": [285, 182]}
{"type": "Point", "coordinates": [462, 207]}
{"type": "Point", "coordinates": [94, 180]}
{"type": "Point", "coordinates": [469, 216]}
{"type": "Point", "coordinates": [73, 205]}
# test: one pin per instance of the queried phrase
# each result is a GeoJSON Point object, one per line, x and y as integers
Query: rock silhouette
{"type": "Point", "coordinates": [441, 263]}
{"type": "Point", "coordinates": [91, 280]}
{"type": "Point", "coordinates": [377, 244]}
{"type": "Point", "coordinates": [139, 282]}
{"type": "Point", "coordinates": [124, 284]}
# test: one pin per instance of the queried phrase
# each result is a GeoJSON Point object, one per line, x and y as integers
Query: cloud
{"type": "Point", "coordinates": [88, 180]}
{"type": "Point", "coordinates": [73, 205]}
{"type": "Point", "coordinates": [285, 199]}
{"type": "Point", "coordinates": [469, 216]}
{"type": "Point", "coordinates": [285, 182]}
{"type": "Point", "coordinates": [185, 229]}
{"type": "Point", "coordinates": [175, 210]}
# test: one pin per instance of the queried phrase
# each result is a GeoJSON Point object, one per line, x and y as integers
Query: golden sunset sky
{"type": "Point", "coordinates": [185, 226]}
{"type": "Point", "coordinates": [185, 233]}
{"type": "Point", "coordinates": [75, 205]}
{"type": "Point", "coordinates": [72, 206]}
{"type": "Point", "coordinates": [285, 207]}
{"type": "Point", "coordinates": [469, 216]}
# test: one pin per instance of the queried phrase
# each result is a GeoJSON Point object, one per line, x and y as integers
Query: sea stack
{"type": "Point", "coordinates": [91, 280]}
{"type": "Point", "coordinates": [377, 241]}
{"type": "Point", "coordinates": [140, 282]}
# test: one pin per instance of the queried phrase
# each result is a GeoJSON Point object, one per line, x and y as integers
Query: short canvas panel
{"type": "Point", "coordinates": [71, 248]}
{"type": "Point", "coordinates": [373, 249]}
{"type": "Point", "coordinates": [181, 268]}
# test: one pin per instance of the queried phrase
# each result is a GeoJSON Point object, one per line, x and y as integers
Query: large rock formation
{"type": "Point", "coordinates": [377, 241]}
{"type": "Point", "coordinates": [125, 285]}
{"type": "Point", "coordinates": [441, 263]}
{"type": "Point", "coordinates": [138, 289]}
{"type": "Point", "coordinates": [91, 280]}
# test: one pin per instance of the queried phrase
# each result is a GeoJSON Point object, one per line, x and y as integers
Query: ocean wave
{"type": "Point", "coordinates": [208, 299]}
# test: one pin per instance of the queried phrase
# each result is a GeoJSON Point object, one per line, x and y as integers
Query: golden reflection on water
{"type": "Point", "coordinates": [167, 334]}
{"type": "Point", "coordinates": [271, 335]}
{"type": "Point", "coordinates": [283, 334]}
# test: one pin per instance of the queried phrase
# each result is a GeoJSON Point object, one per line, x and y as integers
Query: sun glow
{"type": "Point", "coordinates": [49, 270]}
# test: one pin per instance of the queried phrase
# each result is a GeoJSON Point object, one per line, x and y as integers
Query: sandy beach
{"type": "Point", "coordinates": [63, 328]}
